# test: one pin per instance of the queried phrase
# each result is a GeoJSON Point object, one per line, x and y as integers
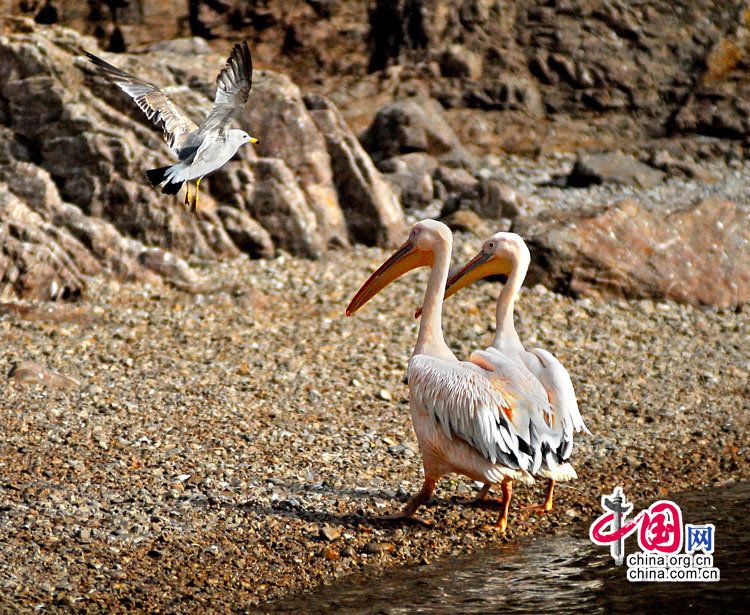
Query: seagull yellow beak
{"type": "Point", "coordinates": [481, 266]}
{"type": "Point", "coordinates": [254, 141]}
{"type": "Point", "coordinates": [406, 258]}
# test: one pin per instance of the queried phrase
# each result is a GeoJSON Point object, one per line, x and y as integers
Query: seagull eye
{"type": "Point", "coordinates": [491, 245]}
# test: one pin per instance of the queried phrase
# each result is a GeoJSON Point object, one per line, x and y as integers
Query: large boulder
{"type": "Point", "coordinates": [50, 247]}
{"type": "Point", "coordinates": [612, 168]}
{"type": "Point", "coordinates": [372, 210]}
{"type": "Point", "coordinates": [698, 255]}
{"type": "Point", "coordinates": [410, 176]}
{"type": "Point", "coordinates": [37, 260]}
{"type": "Point", "coordinates": [410, 125]}
{"type": "Point", "coordinates": [278, 115]}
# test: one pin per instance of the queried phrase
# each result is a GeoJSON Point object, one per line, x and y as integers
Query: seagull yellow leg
{"type": "Point", "coordinates": [197, 188]}
{"type": "Point", "coordinates": [187, 193]}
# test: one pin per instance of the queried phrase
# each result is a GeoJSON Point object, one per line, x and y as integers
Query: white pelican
{"type": "Point", "coordinates": [507, 254]}
{"type": "Point", "coordinates": [467, 420]}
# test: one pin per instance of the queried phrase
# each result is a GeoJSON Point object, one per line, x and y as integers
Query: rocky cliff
{"type": "Point", "coordinates": [645, 69]}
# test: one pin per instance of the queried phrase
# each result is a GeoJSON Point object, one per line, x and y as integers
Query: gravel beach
{"type": "Point", "coordinates": [218, 451]}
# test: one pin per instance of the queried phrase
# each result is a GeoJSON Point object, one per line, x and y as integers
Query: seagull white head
{"type": "Point", "coordinates": [240, 137]}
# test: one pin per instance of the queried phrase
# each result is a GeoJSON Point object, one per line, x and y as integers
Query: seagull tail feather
{"type": "Point", "coordinates": [158, 176]}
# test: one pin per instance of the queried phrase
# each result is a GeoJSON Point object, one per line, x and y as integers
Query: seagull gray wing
{"type": "Point", "coordinates": [232, 89]}
{"type": "Point", "coordinates": [157, 106]}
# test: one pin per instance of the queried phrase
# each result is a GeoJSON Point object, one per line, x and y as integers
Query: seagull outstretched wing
{"type": "Point", "coordinates": [157, 106]}
{"type": "Point", "coordinates": [233, 87]}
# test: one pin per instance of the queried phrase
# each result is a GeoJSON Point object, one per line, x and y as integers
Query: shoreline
{"type": "Point", "coordinates": [217, 455]}
{"type": "Point", "coordinates": [547, 573]}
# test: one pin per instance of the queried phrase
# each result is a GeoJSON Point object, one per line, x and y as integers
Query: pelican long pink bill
{"type": "Point", "coordinates": [403, 260]}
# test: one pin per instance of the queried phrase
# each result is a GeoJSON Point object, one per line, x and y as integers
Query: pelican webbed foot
{"type": "Point", "coordinates": [498, 528]}
{"type": "Point", "coordinates": [407, 513]}
{"type": "Point", "coordinates": [479, 498]}
{"type": "Point", "coordinates": [547, 505]}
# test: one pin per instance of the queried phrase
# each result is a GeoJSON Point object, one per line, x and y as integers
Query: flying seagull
{"type": "Point", "coordinates": [199, 149]}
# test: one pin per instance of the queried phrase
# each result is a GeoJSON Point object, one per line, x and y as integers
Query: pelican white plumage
{"type": "Point", "coordinates": [467, 420]}
{"type": "Point", "coordinates": [507, 254]}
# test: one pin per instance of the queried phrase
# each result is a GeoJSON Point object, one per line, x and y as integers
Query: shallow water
{"type": "Point", "coordinates": [556, 574]}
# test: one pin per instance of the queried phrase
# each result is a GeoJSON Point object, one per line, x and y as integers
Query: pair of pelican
{"type": "Point", "coordinates": [505, 414]}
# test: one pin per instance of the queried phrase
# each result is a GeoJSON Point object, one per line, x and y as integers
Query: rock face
{"type": "Point", "coordinates": [117, 25]}
{"type": "Point", "coordinates": [297, 37]}
{"type": "Point", "coordinates": [74, 150]}
{"type": "Point", "coordinates": [572, 56]}
{"type": "Point", "coordinates": [373, 213]}
{"type": "Point", "coordinates": [718, 105]}
{"type": "Point", "coordinates": [473, 43]}
{"type": "Point", "coordinates": [661, 68]}
{"type": "Point", "coordinates": [698, 255]}
{"type": "Point", "coordinates": [30, 265]}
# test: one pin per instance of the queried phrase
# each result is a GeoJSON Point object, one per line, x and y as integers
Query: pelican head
{"type": "Point", "coordinates": [498, 256]}
{"type": "Point", "coordinates": [426, 237]}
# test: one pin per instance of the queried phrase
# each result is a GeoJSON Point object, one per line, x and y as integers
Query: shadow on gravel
{"type": "Point", "coordinates": [291, 509]}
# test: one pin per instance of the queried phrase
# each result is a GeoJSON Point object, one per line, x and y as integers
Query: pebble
{"type": "Point", "coordinates": [331, 554]}
{"type": "Point", "coordinates": [384, 395]}
{"type": "Point", "coordinates": [330, 533]}
{"type": "Point", "coordinates": [374, 548]}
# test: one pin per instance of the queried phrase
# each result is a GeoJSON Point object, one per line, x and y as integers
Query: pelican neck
{"type": "Point", "coordinates": [430, 340]}
{"type": "Point", "coordinates": [506, 338]}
